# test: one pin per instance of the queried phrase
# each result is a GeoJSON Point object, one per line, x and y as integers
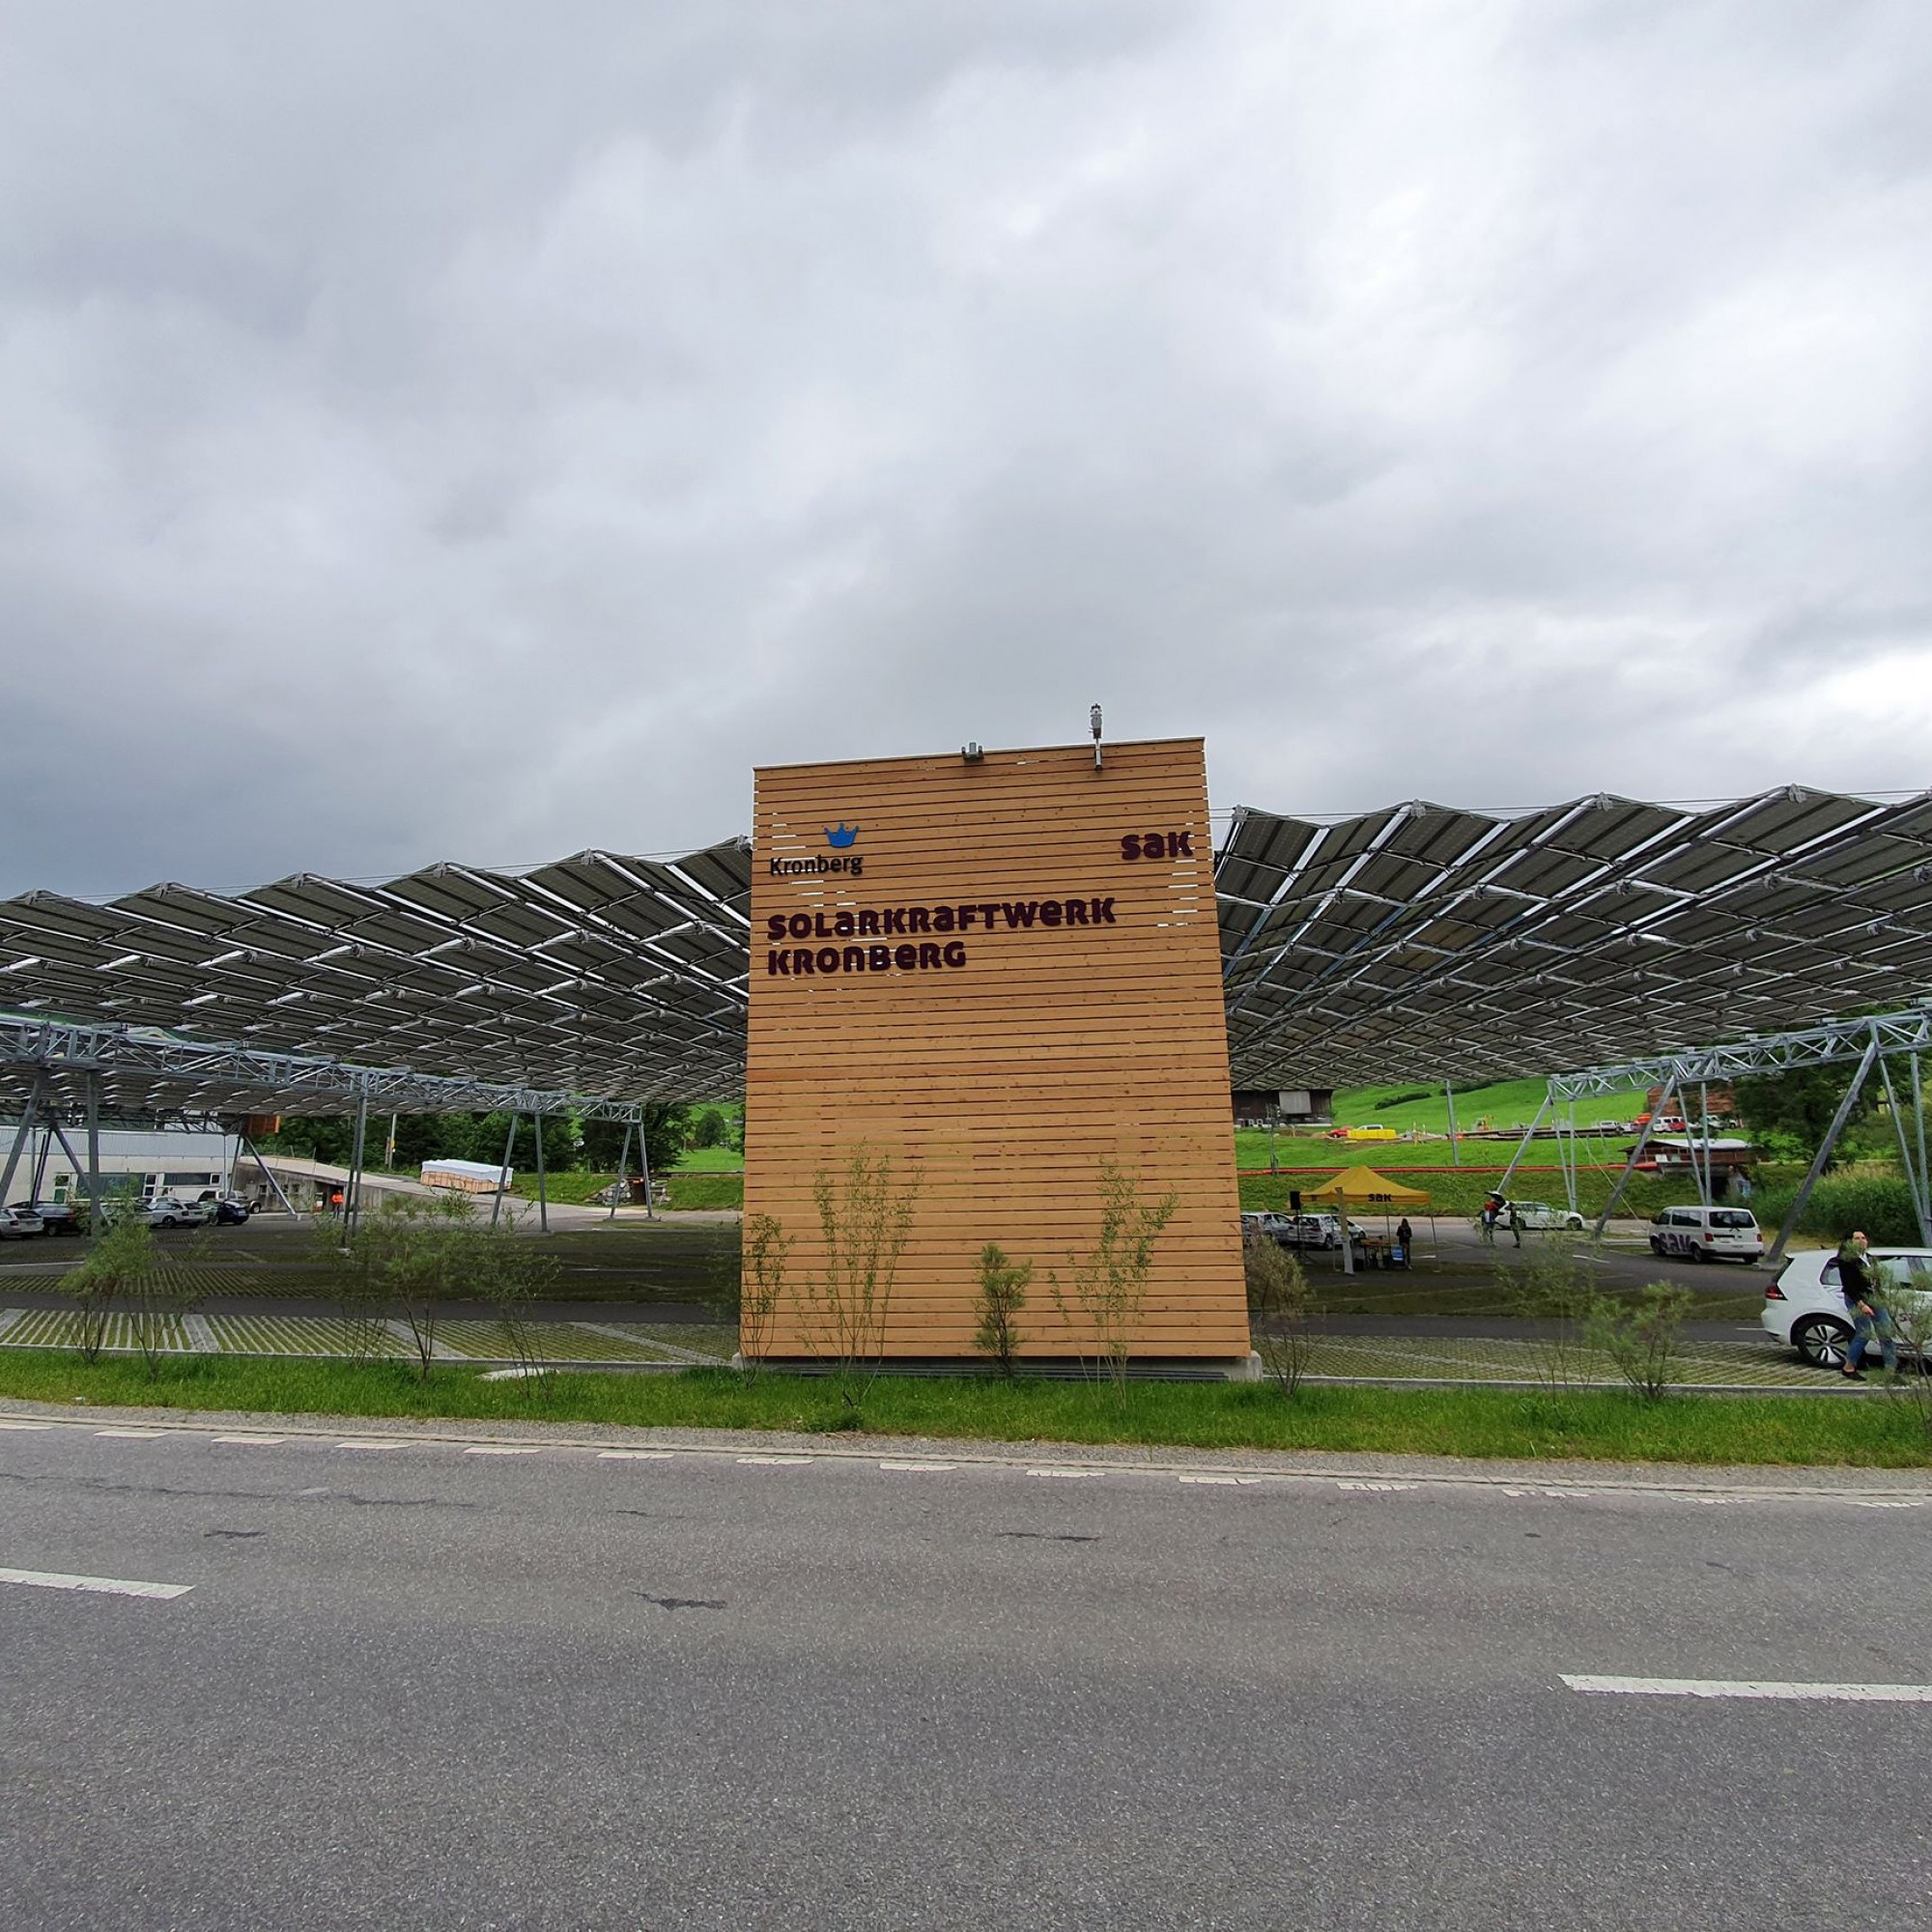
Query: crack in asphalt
{"type": "Point", "coordinates": [682, 1603]}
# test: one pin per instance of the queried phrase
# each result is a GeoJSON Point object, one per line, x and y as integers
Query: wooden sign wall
{"type": "Point", "coordinates": [1004, 973]}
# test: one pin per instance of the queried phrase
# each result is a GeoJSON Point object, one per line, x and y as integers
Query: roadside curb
{"type": "Point", "coordinates": [1773, 1480]}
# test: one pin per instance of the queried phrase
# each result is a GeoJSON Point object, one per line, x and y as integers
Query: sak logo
{"type": "Point", "coordinates": [841, 841]}
{"type": "Point", "coordinates": [1158, 844]}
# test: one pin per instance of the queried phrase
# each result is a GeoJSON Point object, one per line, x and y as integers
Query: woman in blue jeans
{"type": "Point", "coordinates": [1862, 1281]}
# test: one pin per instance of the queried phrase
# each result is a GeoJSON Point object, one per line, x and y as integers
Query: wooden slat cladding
{"type": "Point", "coordinates": [921, 1000]}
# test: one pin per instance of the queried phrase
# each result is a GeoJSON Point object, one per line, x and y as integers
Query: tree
{"type": "Point", "coordinates": [666, 1124]}
{"type": "Point", "coordinates": [1003, 1286]}
{"type": "Point", "coordinates": [1793, 1111]}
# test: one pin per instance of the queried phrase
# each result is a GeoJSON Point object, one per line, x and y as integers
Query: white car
{"type": "Point", "coordinates": [1806, 1307]}
{"type": "Point", "coordinates": [1539, 1217]}
{"type": "Point", "coordinates": [18, 1223]}
{"type": "Point", "coordinates": [1299, 1231]}
{"type": "Point", "coordinates": [1707, 1234]}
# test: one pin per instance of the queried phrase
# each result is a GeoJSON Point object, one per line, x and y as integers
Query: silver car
{"type": "Point", "coordinates": [18, 1224]}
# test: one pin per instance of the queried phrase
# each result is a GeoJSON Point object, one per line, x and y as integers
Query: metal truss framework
{"type": "Point", "coordinates": [600, 975]}
{"type": "Point", "coordinates": [1422, 942]}
{"type": "Point", "coordinates": [1870, 1041]}
{"type": "Point", "coordinates": [144, 1074]}
{"type": "Point", "coordinates": [1824, 1046]}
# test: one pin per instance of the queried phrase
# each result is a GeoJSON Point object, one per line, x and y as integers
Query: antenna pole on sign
{"type": "Point", "coordinates": [1094, 718]}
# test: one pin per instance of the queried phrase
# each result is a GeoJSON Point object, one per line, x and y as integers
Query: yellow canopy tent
{"type": "Point", "coordinates": [1363, 1187]}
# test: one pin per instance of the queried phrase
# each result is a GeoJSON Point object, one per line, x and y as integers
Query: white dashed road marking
{"type": "Point", "coordinates": [372, 1445]}
{"type": "Point", "coordinates": [105, 1586]}
{"type": "Point", "coordinates": [504, 1449]}
{"type": "Point", "coordinates": [132, 1435]}
{"type": "Point", "coordinates": [1718, 1686]}
{"type": "Point", "coordinates": [775, 1462]}
{"type": "Point", "coordinates": [11, 1424]}
{"type": "Point", "coordinates": [917, 1465]}
{"type": "Point", "coordinates": [1377, 1486]}
{"type": "Point", "coordinates": [265, 1442]}
{"type": "Point", "coordinates": [635, 1454]}
{"type": "Point", "coordinates": [1070, 1473]}
{"type": "Point", "coordinates": [1224, 1482]}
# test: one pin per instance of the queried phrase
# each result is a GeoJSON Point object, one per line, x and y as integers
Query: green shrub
{"type": "Point", "coordinates": [1879, 1204]}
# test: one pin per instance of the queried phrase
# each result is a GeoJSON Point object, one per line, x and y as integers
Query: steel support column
{"type": "Point", "coordinates": [542, 1196]}
{"type": "Point", "coordinates": [503, 1171]}
{"type": "Point", "coordinates": [93, 1088]}
{"type": "Point", "coordinates": [1636, 1155]}
{"type": "Point", "coordinates": [623, 1167]}
{"type": "Point", "coordinates": [1915, 1177]}
{"type": "Point", "coordinates": [1522, 1145]}
{"type": "Point", "coordinates": [1823, 1154]}
{"type": "Point", "coordinates": [29, 1111]}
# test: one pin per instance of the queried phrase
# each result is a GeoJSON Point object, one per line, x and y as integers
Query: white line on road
{"type": "Point", "coordinates": [775, 1462]}
{"type": "Point", "coordinates": [106, 1586]}
{"type": "Point", "coordinates": [504, 1449]}
{"type": "Point", "coordinates": [1718, 1686]}
{"type": "Point", "coordinates": [372, 1445]}
{"type": "Point", "coordinates": [1223, 1482]}
{"type": "Point", "coordinates": [25, 1425]}
{"type": "Point", "coordinates": [918, 1466]}
{"type": "Point", "coordinates": [635, 1454]}
{"type": "Point", "coordinates": [132, 1435]}
{"type": "Point", "coordinates": [266, 1441]}
{"type": "Point", "coordinates": [1063, 1472]}
{"type": "Point", "coordinates": [1379, 1486]}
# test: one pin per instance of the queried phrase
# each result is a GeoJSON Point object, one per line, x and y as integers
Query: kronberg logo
{"type": "Point", "coordinates": [841, 841]}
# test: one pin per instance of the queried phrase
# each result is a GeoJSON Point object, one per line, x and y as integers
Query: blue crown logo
{"type": "Point", "coordinates": [846, 835]}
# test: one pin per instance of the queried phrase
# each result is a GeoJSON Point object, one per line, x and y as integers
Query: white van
{"type": "Point", "coordinates": [1707, 1234]}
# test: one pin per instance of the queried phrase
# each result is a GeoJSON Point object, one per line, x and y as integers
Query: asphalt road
{"type": "Point", "coordinates": [418, 1687]}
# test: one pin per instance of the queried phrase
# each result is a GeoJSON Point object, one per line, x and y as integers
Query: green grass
{"type": "Point", "coordinates": [1454, 1192]}
{"type": "Point", "coordinates": [706, 1190]}
{"type": "Point", "coordinates": [1865, 1431]}
{"type": "Point", "coordinates": [710, 1160]}
{"type": "Point", "coordinates": [1501, 1104]}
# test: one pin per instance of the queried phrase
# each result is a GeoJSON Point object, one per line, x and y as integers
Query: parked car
{"type": "Point", "coordinates": [231, 1210]}
{"type": "Point", "coordinates": [1301, 1231]}
{"type": "Point", "coordinates": [1539, 1217]}
{"type": "Point", "coordinates": [57, 1218]}
{"type": "Point", "coordinates": [1707, 1234]}
{"type": "Point", "coordinates": [18, 1224]}
{"type": "Point", "coordinates": [1806, 1305]}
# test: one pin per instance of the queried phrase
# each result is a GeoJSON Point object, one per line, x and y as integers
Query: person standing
{"type": "Point", "coordinates": [1862, 1281]}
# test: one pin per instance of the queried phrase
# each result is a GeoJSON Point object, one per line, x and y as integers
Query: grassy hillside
{"type": "Point", "coordinates": [1501, 1104]}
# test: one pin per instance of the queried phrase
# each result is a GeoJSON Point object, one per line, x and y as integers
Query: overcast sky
{"type": "Point", "coordinates": [483, 431]}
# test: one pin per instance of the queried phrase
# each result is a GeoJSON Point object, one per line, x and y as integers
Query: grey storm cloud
{"type": "Point", "coordinates": [483, 432]}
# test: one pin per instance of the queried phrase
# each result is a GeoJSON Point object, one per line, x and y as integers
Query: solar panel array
{"type": "Point", "coordinates": [1424, 942]}
{"type": "Point", "coordinates": [599, 975]}
{"type": "Point", "coordinates": [1414, 941]}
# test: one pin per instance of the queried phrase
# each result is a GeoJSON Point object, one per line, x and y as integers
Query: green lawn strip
{"type": "Point", "coordinates": [706, 1190]}
{"type": "Point", "coordinates": [1870, 1431]}
{"type": "Point", "coordinates": [710, 1160]}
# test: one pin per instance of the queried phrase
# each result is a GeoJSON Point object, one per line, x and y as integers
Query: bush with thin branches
{"type": "Point", "coordinates": [865, 1217]}
{"type": "Point", "coordinates": [115, 1262]}
{"type": "Point", "coordinates": [1642, 1335]}
{"type": "Point", "coordinates": [1280, 1308]}
{"type": "Point", "coordinates": [1107, 1292]}
{"type": "Point", "coordinates": [1553, 1287]}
